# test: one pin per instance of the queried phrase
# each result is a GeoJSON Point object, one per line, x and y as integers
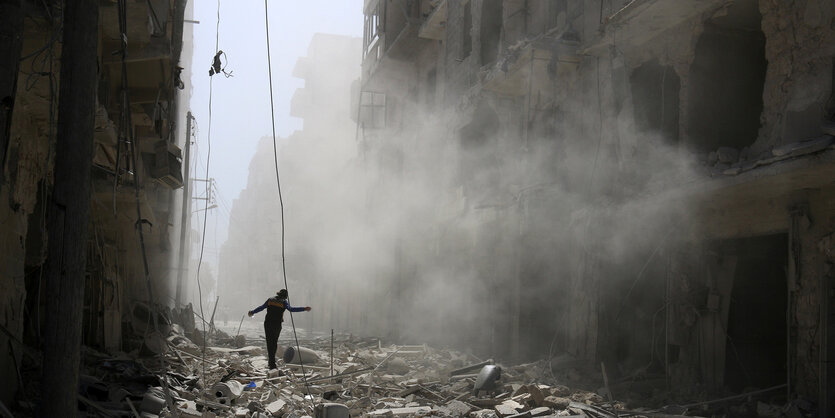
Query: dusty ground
{"type": "Point", "coordinates": [368, 378]}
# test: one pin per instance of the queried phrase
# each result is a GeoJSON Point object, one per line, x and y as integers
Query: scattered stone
{"type": "Point", "coordinates": [331, 410]}
{"type": "Point", "coordinates": [368, 379]}
{"type": "Point", "coordinates": [727, 155]}
{"type": "Point", "coordinates": [275, 407]}
{"type": "Point", "coordinates": [508, 407]}
{"type": "Point", "coordinates": [556, 402]}
{"type": "Point", "coordinates": [712, 158]}
{"type": "Point", "coordinates": [540, 412]}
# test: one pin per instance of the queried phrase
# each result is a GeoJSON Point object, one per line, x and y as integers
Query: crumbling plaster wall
{"type": "Point", "coordinates": [812, 226]}
{"type": "Point", "coordinates": [800, 47]}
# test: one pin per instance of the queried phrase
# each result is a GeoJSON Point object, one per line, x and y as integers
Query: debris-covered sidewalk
{"type": "Point", "coordinates": [343, 375]}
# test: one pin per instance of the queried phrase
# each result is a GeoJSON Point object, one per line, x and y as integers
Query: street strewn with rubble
{"type": "Point", "coordinates": [417, 208]}
{"type": "Point", "coordinates": [342, 375]}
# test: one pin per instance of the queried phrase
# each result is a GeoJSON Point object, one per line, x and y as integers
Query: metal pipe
{"type": "Point", "coordinates": [186, 211]}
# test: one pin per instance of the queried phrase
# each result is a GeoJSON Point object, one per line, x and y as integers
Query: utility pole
{"type": "Point", "coordinates": [11, 41]}
{"type": "Point", "coordinates": [185, 224]}
{"type": "Point", "coordinates": [69, 210]}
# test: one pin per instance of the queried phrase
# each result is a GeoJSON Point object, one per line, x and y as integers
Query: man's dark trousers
{"type": "Point", "coordinates": [272, 332]}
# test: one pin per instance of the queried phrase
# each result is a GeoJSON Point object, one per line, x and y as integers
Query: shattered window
{"type": "Point", "coordinates": [373, 110]}
{"type": "Point", "coordinates": [371, 31]}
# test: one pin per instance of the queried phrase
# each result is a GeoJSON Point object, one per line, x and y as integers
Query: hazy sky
{"type": "Point", "coordinates": [241, 104]}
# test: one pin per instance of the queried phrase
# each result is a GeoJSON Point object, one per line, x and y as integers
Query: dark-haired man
{"type": "Point", "coordinates": [275, 307]}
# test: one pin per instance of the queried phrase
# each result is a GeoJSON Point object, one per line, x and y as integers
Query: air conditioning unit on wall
{"type": "Point", "coordinates": [168, 164]}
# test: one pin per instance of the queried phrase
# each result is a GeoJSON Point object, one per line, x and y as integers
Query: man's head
{"type": "Point", "coordinates": [282, 294]}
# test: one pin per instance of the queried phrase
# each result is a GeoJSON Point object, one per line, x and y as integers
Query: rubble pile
{"type": "Point", "coordinates": [363, 378]}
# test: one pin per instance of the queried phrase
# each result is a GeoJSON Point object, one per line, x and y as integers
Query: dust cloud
{"type": "Point", "coordinates": [450, 228]}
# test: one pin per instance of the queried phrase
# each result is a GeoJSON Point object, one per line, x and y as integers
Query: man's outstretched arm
{"type": "Point", "coordinates": [258, 309]}
{"type": "Point", "coordinates": [292, 309]}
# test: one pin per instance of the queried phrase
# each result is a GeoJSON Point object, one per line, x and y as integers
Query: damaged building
{"type": "Point", "coordinates": [641, 183]}
{"type": "Point", "coordinates": [636, 191]}
{"type": "Point", "coordinates": [91, 154]}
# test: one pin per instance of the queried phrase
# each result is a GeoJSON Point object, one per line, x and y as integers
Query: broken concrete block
{"type": "Point", "coordinates": [535, 393]}
{"type": "Point", "coordinates": [397, 366]}
{"type": "Point", "coordinates": [540, 412]}
{"type": "Point", "coordinates": [458, 408]}
{"type": "Point", "coordinates": [267, 397]}
{"type": "Point", "coordinates": [508, 407]}
{"type": "Point", "coordinates": [274, 408]}
{"type": "Point", "coordinates": [487, 378]}
{"type": "Point", "coordinates": [331, 410]}
{"type": "Point", "coordinates": [556, 402]}
{"type": "Point", "coordinates": [484, 413]}
{"type": "Point", "coordinates": [727, 155]}
{"type": "Point", "coordinates": [400, 411]}
{"type": "Point", "coordinates": [559, 391]}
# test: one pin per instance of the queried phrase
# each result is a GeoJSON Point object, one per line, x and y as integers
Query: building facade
{"type": "Point", "coordinates": [644, 183]}
{"type": "Point", "coordinates": [135, 179]}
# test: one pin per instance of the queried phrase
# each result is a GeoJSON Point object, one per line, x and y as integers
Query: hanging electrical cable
{"type": "Point", "coordinates": [206, 207]}
{"type": "Point", "coordinates": [280, 198]}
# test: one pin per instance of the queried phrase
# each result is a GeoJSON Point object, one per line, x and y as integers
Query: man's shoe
{"type": "Point", "coordinates": [273, 366]}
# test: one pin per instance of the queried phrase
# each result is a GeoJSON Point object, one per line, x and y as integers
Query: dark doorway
{"type": "Point", "coordinates": [726, 80]}
{"type": "Point", "coordinates": [755, 355]}
{"type": "Point", "coordinates": [655, 99]}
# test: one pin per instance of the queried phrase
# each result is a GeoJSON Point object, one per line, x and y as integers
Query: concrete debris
{"type": "Point", "coordinates": [332, 410]}
{"type": "Point", "coordinates": [369, 379]}
{"type": "Point", "coordinates": [727, 155]}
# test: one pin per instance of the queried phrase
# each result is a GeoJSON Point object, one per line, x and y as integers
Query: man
{"type": "Point", "coordinates": [275, 307]}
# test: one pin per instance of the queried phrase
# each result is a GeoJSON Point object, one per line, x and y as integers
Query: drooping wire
{"type": "Point", "coordinates": [281, 199]}
{"type": "Point", "coordinates": [206, 207]}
